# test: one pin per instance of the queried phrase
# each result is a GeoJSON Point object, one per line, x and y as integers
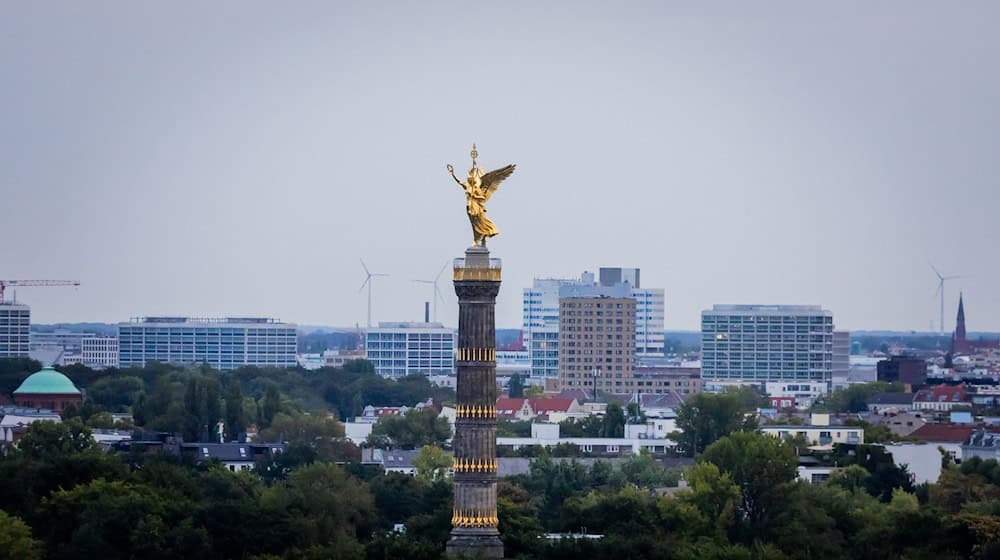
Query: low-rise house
{"type": "Point", "coordinates": [819, 432]}
{"type": "Point", "coordinates": [552, 408]}
{"type": "Point", "coordinates": [392, 460]}
{"type": "Point", "coordinates": [14, 423]}
{"type": "Point", "coordinates": [516, 409]}
{"type": "Point", "coordinates": [890, 402]}
{"type": "Point", "coordinates": [547, 435]}
{"type": "Point", "coordinates": [983, 444]}
{"type": "Point", "coordinates": [660, 406]}
{"type": "Point", "coordinates": [234, 456]}
{"type": "Point", "coordinates": [901, 424]}
{"type": "Point", "coordinates": [942, 397]}
{"type": "Point", "coordinates": [949, 437]}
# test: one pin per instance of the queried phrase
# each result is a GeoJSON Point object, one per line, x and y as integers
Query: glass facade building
{"type": "Point", "coordinates": [400, 349]}
{"type": "Point", "coordinates": [761, 343]}
{"type": "Point", "coordinates": [15, 330]}
{"type": "Point", "coordinates": [222, 343]}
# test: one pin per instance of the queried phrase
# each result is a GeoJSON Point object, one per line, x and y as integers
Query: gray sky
{"type": "Point", "coordinates": [238, 158]}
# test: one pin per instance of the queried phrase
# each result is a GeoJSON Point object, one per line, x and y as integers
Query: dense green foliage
{"type": "Point", "coordinates": [705, 417]}
{"type": "Point", "coordinates": [63, 497]}
{"type": "Point", "coordinates": [854, 398]}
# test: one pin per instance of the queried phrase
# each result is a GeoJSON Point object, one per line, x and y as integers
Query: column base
{"type": "Point", "coordinates": [475, 543]}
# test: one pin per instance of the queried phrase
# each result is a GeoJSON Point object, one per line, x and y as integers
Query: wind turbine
{"type": "Point", "coordinates": [368, 281]}
{"type": "Point", "coordinates": [436, 295]}
{"type": "Point", "coordinates": [940, 291]}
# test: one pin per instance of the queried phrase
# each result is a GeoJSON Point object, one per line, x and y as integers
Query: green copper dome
{"type": "Point", "coordinates": [47, 382]}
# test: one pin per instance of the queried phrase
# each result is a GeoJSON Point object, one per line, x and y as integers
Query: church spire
{"type": "Point", "coordinates": [960, 320]}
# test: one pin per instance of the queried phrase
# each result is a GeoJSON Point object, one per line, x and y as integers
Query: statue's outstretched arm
{"type": "Point", "coordinates": [452, 171]}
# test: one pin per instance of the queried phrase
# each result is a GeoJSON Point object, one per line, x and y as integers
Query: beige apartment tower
{"type": "Point", "coordinates": [597, 343]}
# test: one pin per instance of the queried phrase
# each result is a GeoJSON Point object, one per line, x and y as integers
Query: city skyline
{"type": "Point", "coordinates": [204, 166]}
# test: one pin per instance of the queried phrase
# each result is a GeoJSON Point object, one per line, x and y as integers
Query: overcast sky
{"type": "Point", "coordinates": [238, 158]}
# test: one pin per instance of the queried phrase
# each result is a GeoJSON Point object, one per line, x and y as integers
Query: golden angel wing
{"type": "Point", "coordinates": [491, 181]}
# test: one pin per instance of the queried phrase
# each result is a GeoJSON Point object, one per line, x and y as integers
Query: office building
{"type": "Point", "coordinates": [400, 349]}
{"type": "Point", "coordinates": [755, 344]}
{"type": "Point", "coordinates": [222, 343]}
{"type": "Point", "coordinates": [99, 352]}
{"type": "Point", "coordinates": [15, 330]}
{"type": "Point", "coordinates": [908, 370]}
{"type": "Point", "coordinates": [70, 342]}
{"type": "Point", "coordinates": [596, 343]}
{"type": "Point", "coordinates": [541, 313]}
{"type": "Point", "coordinates": [541, 325]}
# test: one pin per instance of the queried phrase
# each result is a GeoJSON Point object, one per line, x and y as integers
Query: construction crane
{"type": "Point", "coordinates": [32, 283]}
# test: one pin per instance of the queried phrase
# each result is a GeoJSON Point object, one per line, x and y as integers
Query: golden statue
{"type": "Point", "coordinates": [479, 187]}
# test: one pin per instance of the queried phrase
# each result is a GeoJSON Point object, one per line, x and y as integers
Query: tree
{"type": "Point", "coordinates": [16, 542]}
{"type": "Point", "coordinates": [323, 434]}
{"type": "Point", "coordinates": [516, 386]}
{"type": "Point", "coordinates": [332, 508]}
{"type": "Point", "coordinates": [635, 414]}
{"type": "Point", "coordinates": [432, 463]}
{"type": "Point", "coordinates": [614, 422]}
{"type": "Point", "coordinates": [269, 406]}
{"type": "Point", "coordinates": [235, 418]}
{"type": "Point", "coordinates": [704, 418]}
{"type": "Point", "coordinates": [715, 495]}
{"type": "Point", "coordinates": [760, 465]}
{"type": "Point", "coordinates": [590, 426]}
{"type": "Point", "coordinates": [855, 397]}
{"type": "Point", "coordinates": [417, 428]}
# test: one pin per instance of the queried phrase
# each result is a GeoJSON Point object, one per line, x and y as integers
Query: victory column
{"type": "Point", "coordinates": [477, 282]}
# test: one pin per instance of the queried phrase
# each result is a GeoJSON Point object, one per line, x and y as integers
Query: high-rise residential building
{"type": "Point", "coordinates": [400, 349]}
{"type": "Point", "coordinates": [15, 330]}
{"type": "Point", "coordinates": [755, 344]}
{"type": "Point", "coordinates": [541, 313]}
{"type": "Point", "coordinates": [223, 343]}
{"type": "Point", "coordinates": [841, 358]}
{"type": "Point", "coordinates": [99, 352]}
{"type": "Point", "coordinates": [597, 343]}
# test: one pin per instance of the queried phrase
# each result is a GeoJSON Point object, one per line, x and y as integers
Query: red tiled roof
{"type": "Point", "coordinates": [942, 393]}
{"type": "Point", "coordinates": [942, 433]}
{"type": "Point", "coordinates": [546, 405]}
{"type": "Point", "coordinates": [505, 404]}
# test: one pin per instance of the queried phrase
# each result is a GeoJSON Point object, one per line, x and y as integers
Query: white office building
{"type": "Point", "coordinates": [223, 343]}
{"type": "Point", "coordinates": [541, 313]}
{"type": "Point", "coordinates": [15, 330]}
{"type": "Point", "coordinates": [99, 352]}
{"type": "Point", "coordinates": [400, 349]}
{"type": "Point", "coordinates": [755, 344]}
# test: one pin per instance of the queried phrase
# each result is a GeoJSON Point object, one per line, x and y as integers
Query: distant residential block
{"type": "Point", "coordinates": [222, 343]}
{"type": "Point", "coordinates": [596, 343]}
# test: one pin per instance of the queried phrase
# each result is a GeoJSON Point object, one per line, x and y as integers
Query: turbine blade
{"type": "Point", "coordinates": [441, 272]}
{"type": "Point", "coordinates": [935, 270]}
{"type": "Point", "coordinates": [365, 283]}
{"type": "Point", "coordinates": [368, 272]}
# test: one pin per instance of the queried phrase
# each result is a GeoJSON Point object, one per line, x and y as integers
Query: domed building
{"type": "Point", "coordinates": [47, 389]}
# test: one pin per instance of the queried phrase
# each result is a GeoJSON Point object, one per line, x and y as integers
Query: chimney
{"type": "Point", "coordinates": [427, 312]}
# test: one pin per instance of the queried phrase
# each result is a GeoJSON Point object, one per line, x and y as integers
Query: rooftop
{"type": "Point", "coordinates": [47, 381]}
{"type": "Point", "coordinates": [942, 433]}
{"type": "Point", "coordinates": [204, 321]}
{"type": "Point", "coordinates": [756, 309]}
